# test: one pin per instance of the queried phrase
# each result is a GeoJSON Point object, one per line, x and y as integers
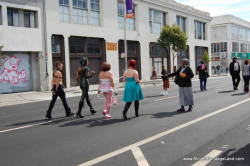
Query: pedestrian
{"type": "Point", "coordinates": [132, 91]}
{"type": "Point", "coordinates": [165, 81]}
{"type": "Point", "coordinates": [154, 75]}
{"type": "Point", "coordinates": [58, 90]}
{"type": "Point", "coordinates": [234, 70]}
{"type": "Point", "coordinates": [183, 78]}
{"type": "Point", "coordinates": [246, 75]}
{"type": "Point", "coordinates": [83, 75]}
{"type": "Point", "coordinates": [203, 75]}
{"type": "Point", "coordinates": [106, 87]}
{"type": "Point", "coordinates": [226, 70]}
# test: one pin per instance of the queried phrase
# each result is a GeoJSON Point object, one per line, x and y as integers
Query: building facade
{"type": "Point", "coordinates": [21, 38]}
{"type": "Point", "coordinates": [230, 37]}
{"type": "Point", "coordinates": [94, 29]}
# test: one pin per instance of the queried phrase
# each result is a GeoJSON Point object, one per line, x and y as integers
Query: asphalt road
{"type": "Point", "coordinates": [216, 133]}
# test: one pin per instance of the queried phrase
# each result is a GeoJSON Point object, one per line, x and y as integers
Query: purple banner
{"type": "Point", "coordinates": [130, 11]}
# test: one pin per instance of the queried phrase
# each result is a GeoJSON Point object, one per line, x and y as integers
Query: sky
{"type": "Point", "coordinates": [239, 8]}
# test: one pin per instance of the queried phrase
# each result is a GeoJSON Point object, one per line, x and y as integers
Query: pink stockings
{"type": "Point", "coordinates": [108, 101]}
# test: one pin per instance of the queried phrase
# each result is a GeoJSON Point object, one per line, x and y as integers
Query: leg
{"type": "Point", "coordinates": [108, 102]}
{"type": "Point", "coordinates": [81, 104]}
{"type": "Point", "coordinates": [88, 102]}
{"type": "Point", "coordinates": [233, 79]}
{"type": "Point", "coordinates": [137, 108]}
{"type": "Point", "coordinates": [126, 107]}
{"type": "Point", "coordinates": [205, 84]}
{"type": "Point", "coordinates": [247, 83]}
{"type": "Point", "coordinates": [51, 105]}
{"type": "Point", "coordinates": [238, 80]}
{"type": "Point", "coordinates": [201, 84]}
{"type": "Point", "coordinates": [64, 101]}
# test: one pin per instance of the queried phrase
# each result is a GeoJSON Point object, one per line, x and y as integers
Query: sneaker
{"type": "Point", "coordinates": [162, 93]}
{"type": "Point", "coordinates": [165, 93]}
{"type": "Point", "coordinates": [108, 116]}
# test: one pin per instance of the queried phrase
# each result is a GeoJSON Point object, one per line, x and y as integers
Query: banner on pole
{"type": "Point", "coordinates": [130, 9]}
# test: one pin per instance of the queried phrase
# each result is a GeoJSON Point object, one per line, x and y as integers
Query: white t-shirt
{"type": "Point", "coordinates": [236, 66]}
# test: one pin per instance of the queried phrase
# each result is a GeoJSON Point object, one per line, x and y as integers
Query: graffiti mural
{"type": "Point", "coordinates": [15, 73]}
{"type": "Point", "coordinates": [10, 73]}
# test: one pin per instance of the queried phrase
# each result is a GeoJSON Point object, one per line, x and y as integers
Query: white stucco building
{"type": "Point", "coordinates": [94, 28]}
{"type": "Point", "coordinates": [230, 36]}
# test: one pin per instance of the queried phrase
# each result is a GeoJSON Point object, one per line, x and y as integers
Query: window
{"type": "Point", "coordinates": [219, 33]}
{"type": "Point", "coordinates": [22, 18]}
{"type": "Point", "coordinates": [64, 10]}
{"type": "Point", "coordinates": [235, 46]}
{"type": "Point", "coordinates": [200, 30]}
{"type": "Point", "coordinates": [235, 32]}
{"type": "Point", "coordinates": [55, 42]}
{"type": "Point", "coordinates": [77, 44]}
{"type": "Point", "coordinates": [248, 50]}
{"type": "Point", "coordinates": [94, 17]}
{"type": "Point", "coordinates": [94, 46]}
{"type": "Point", "coordinates": [181, 22]}
{"type": "Point", "coordinates": [243, 47]}
{"type": "Point", "coordinates": [243, 34]}
{"type": "Point", "coordinates": [80, 11]}
{"type": "Point", "coordinates": [1, 19]}
{"type": "Point", "coordinates": [30, 19]}
{"type": "Point", "coordinates": [13, 17]}
{"type": "Point", "coordinates": [130, 21]}
{"type": "Point", "coordinates": [156, 21]}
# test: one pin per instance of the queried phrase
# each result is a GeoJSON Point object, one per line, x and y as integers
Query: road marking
{"type": "Point", "coordinates": [23, 127]}
{"type": "Point", "coordinates": [166, 98]}
{"type": "Point", "coordinates": [157, 136]}
{"type": "Point", "coordinates": [208, 158]}
{"type": "Point", "coordinates": [141, 160]}
{"type": "Point", "coordinates": [225, 146]}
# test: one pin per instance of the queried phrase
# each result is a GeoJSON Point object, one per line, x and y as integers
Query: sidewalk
{"type": "Point", "coordinates": [29, 97]}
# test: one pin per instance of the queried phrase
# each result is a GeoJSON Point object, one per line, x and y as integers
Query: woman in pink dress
{"type": "Point", "coordinates": [106, 87]}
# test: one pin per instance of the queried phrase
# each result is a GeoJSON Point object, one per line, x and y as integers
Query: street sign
{"type": "Point", "coordinates": [241, 55]}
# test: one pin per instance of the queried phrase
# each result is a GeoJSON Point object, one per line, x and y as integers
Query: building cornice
{"type": "Point", "coordinates": [173, 5]}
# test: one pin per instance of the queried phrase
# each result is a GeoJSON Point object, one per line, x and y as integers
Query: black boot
{"type": "Point", "coordinates": [182, 109]}
{"type": "Point", "coordinates": [124, 113]}
{"type": "Point", "coordinates": [79, 114]}
{"type": "Point", "coordinates": [48, 116]}
{"type": "Point", "coordinates": [136, 108]}
{"type": "Point", "coordinates": [190, 109]}
{"type": "Point", "coordinates": [92, 110]}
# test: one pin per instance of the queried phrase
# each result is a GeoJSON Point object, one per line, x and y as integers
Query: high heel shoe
{"type": "Point", "coordinates": [79, 115]}
{"type": "Point", "coordinates": [92, 111]}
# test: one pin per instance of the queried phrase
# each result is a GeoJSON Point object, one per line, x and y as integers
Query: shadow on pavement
{"type": "Point", "coordinates": [93, 122]}
{"type": "Point", "coordinates": [240, 157]}
{"type": "Point", "coordinates": [153, 96]}
{"type": "Point", "coordinates": [239, 94]}
{"type": "Point", "coordinates": [28, 122]}
{"type": "Point", "coordinates": [165, 114]}
{"type": "Point", "coordinates": [227, 91]}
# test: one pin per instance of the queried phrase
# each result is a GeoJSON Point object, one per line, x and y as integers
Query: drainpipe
{"type": "Point", "coordinates": [45, 42]}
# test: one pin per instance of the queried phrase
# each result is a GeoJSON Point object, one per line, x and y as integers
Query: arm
{"type": "Point", "coordinates": [175, 73]}
{"type": "Point", "coordinates": [190, 73]}
{"type": "Point", "coordinates": [88, 73]}
{"type": "Point", "coordinates": [112, 80]}
{"type": "Point", "coordinates": [137, 77]}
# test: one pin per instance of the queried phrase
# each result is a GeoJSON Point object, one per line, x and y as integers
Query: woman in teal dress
{"type": "Point", "coordinates": [132, 92]}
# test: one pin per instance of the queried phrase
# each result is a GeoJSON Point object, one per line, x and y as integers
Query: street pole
{"type": "Point", "coordinates": [125, 36]}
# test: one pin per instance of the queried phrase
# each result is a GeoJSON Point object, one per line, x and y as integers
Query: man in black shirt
{"type": "Point", "coordinates": [234, 70]}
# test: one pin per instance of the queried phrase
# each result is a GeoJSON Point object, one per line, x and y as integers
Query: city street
{"type": "Point", "coordinates": [216, 133]}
